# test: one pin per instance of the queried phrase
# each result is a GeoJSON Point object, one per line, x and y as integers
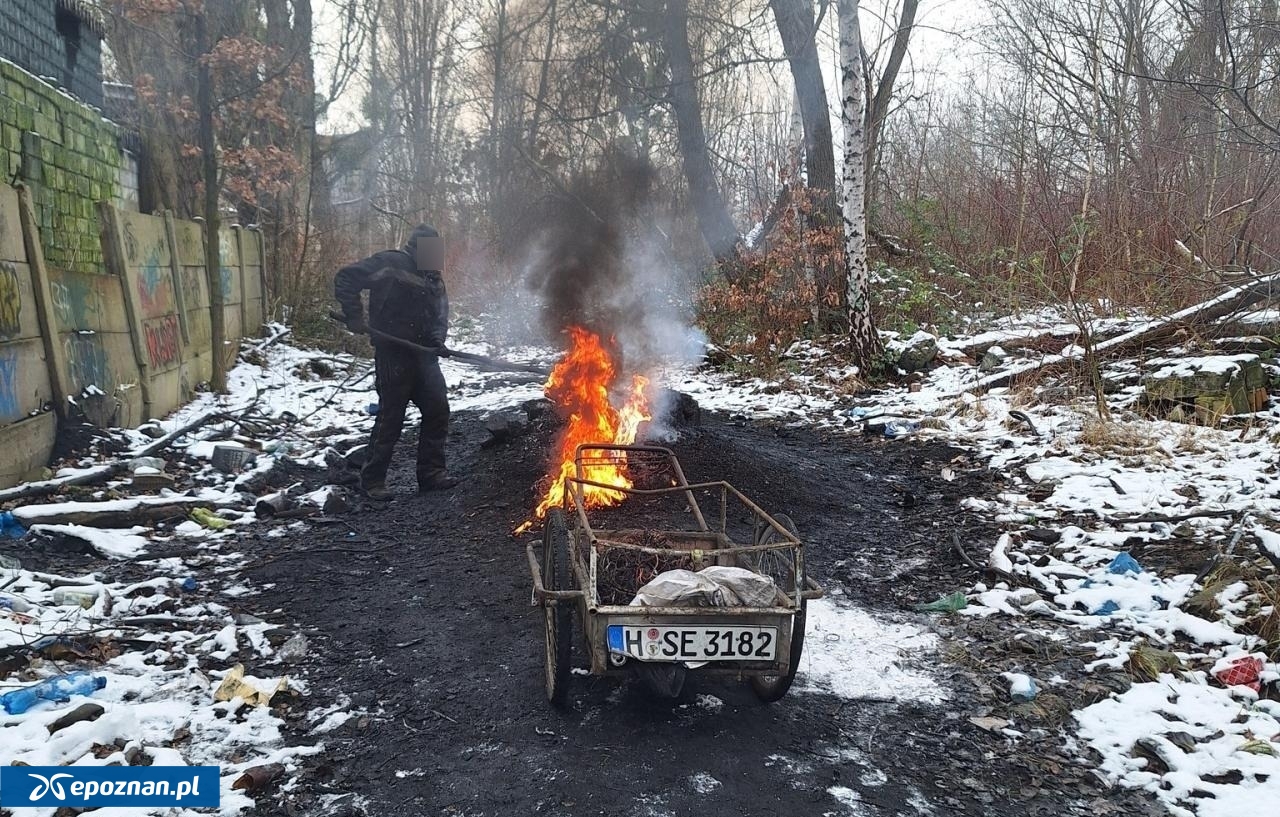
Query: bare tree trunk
{"type": "Point", "coordinates": [209, 173]}
{"type": "Point", "coordinates": [713, 217]}
{"type": "Point", "coordinates": [879, 104]}
{"type": "Point", "coordinates": [544, 72]}
{"type": "Point", "coordinates": [864, 340]}
{"type": "Point", "coordinates": [796, 27]}
{"type": "Point", "coordinates": [495, 113]}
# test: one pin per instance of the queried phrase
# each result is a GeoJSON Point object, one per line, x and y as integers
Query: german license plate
{"type": "Point", "coordinates": [694, 643]}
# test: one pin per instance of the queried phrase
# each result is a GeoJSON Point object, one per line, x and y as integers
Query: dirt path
{"type": "Point", "coordinates": [420, 614]}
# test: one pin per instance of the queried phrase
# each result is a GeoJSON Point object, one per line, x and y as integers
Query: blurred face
{"type": "Point", "coordinates": [430, 253]}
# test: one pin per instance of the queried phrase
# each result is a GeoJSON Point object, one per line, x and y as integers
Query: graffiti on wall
{"type": "Point", "coordinates": [73, 303]}
{"type": "Point", "coordinates": [10, 301]}
{"type": "Point", "coordinates": [10, 405]}
{"type": "Point", "coordinates": [162, 340]}
{"type": "Point", "coordinates": [155, 287]}
{"type": "Point", "coordinates": [87, 361]}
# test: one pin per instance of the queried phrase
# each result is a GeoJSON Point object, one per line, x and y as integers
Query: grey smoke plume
{"type": "Point", "coordinates": [598, 258]}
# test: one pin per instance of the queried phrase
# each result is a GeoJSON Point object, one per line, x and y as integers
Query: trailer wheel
{"type": "Point", "coordinates": [771, 688]}
{"type": "Point", "coordinates": [559, 618]}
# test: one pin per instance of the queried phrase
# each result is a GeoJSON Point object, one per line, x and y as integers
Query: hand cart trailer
{"type": "Point", "coordinates": [761, 645]}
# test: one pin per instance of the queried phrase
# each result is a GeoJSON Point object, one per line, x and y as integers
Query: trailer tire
{"type": "Point", "coordinates": [559, 617]}
{"type": "Point", "coordinates": [772, 688]}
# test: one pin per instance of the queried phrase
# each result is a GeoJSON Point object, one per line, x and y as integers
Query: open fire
{"type": "Point", "coordinates": [580, 386]}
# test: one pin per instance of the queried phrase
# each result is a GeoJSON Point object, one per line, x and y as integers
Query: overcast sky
{"type": "Point", "coordinates": [942, 53]}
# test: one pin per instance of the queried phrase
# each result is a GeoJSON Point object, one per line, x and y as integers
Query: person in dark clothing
{"type": "Point", "coordinates": [407, 300]}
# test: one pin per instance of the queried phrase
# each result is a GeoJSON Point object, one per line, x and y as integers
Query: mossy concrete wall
{"type": "Point", "coordinates": [70, 158]}
{"type": "Point", "coordinates": [104, 312]}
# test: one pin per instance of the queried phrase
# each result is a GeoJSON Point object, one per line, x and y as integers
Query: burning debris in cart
{"type": "Point", "coordinates": [583, 388]}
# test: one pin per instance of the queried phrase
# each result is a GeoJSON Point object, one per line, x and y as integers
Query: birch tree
{"type": "Point", "coordinates": [864, 341]}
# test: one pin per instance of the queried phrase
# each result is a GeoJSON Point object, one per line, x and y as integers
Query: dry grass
{"type": "Point", "coordinates": [1188, 442]}
{"type": "Point", "coordinates": [976, 409]}
{"type": "Point", "coordinates": [1267, 624]}
{"type": "Point", "coordinates": [1147, 663]}
{"type": "Point", "coordinates": [1023, 396]}
{"type": "Point", "coordinates": [1117, 436]}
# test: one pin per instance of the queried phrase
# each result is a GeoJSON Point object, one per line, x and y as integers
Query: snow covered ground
{"type": "Point", "coordinates": [166, 645]}
{"type": "Point", "coordinates": [1086, 503]}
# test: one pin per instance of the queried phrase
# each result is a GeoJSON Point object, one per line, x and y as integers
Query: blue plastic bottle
{"type": "Point", "coordinates": [51, 689]}
{"type": "Point", "coordinates": [10, 527]}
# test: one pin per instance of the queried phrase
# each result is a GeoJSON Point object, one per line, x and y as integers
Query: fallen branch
{"type": "Point", "coordinates": [281, 332]}
{"type": "Point", "coordinates": [111, 513]}
{"type": "Point", "coordinates": [1211, 310]}
{"type": "Point", "coordinates": [105, 472]}
{"type": "Point", "coordinates": [1268, 544]}
{"type": "Point", "coordinates": [1183, 517]}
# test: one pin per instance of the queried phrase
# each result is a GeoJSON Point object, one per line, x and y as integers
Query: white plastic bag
{"type": "Point", "coordinates": [710, 587]}
{"type": "Point", "coordinates": [747, 589]}
{"type": "Point", "coordinates": [680, 588]}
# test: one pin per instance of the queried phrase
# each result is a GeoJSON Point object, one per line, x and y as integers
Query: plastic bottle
{"type": "Point", "coordinates": [75, 596]}
{"type": "Point", "coordinates": [51, 689]}
{"type": "Point", "coordinates": [864, 412]}
{"type": "Point", "coordinates": [14, 603]}
{"type": "Point", "coordinates": [10, 527]}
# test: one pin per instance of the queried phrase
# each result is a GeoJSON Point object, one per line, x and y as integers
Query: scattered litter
{"type": "Point", "coordinates": [1022, 687]}
{"type": "Point", "coordinates": [146, 465]}
{"type": "Point", "coordinates": [294, 649]}
{"type": "Point", "coordinates": [1244, 671]}
{"type": "Point", "coordinates": [231, 459]}
{"type": "Point", "coordinates": [84, 597]}
{"type": "Point", "coordinates": [950, 603]}
{"type": "Point", "coordinates": [900, 428]}
{"type": "Point", "coordinates": [256, 778]}
{"type": "Point", "coordinates": [1124, 563]}
{"type": "Point", "coordinates": [990, 724]}
{"type": "Point", "coordinates": [235, 684]}
{"type": "Point", "coordinates": [209, 519]}
{"type": "Point", "coordinates": [58, 688]}
{"type": "Point", "coordinates": [11, 528]}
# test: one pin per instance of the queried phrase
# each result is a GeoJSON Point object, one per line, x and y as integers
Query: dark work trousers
{"type": "Point", "coordinates": [403, 375]}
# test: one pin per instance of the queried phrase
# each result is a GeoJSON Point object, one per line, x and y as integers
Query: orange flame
{"type": "Point", "coordinates": [579, 385]}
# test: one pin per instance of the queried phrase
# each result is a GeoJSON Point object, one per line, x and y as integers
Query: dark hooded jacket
{"type": "Point", "coordinates": [403, 301]}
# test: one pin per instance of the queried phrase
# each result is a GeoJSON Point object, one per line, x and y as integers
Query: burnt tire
{"type": "Point", "coordinates": [772, 688]}
{"type": "Point", "coordinates": [559, 617]}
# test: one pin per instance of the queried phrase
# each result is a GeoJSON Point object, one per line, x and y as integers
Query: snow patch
{"type": "Point", "coordinates": [854, 654]}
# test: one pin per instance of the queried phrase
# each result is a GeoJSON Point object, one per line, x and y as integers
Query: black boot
{"type": "Point", "coordinates": [378, 493]}
{"type": "Point", "coordinates": [439, 482]}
